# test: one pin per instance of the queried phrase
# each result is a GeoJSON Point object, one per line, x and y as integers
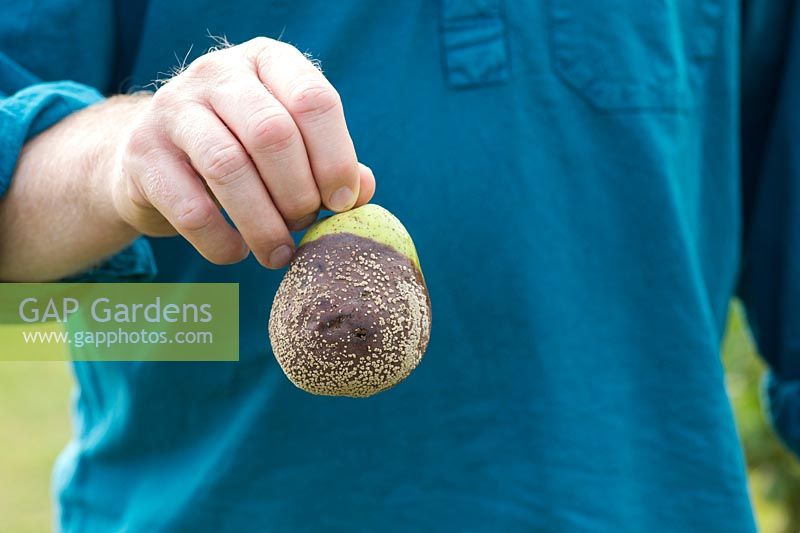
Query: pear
{"type": "Point", "coordinates": [352, 315]}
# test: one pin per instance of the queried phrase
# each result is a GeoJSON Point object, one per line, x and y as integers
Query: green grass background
{"type": "Point", "coordinates": [34, 426]}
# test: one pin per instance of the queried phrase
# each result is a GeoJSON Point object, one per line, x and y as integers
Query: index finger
{"type": "Point", "coordinates": [317, 110]}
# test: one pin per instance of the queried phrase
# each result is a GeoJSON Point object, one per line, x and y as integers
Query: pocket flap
{"type": "Point", "coordinates": [474, 42]}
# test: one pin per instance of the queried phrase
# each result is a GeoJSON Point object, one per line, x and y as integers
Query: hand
{"type": "Point", "coordinates": [255, 129]}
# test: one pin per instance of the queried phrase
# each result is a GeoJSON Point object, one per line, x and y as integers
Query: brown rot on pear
{"type": "Point", "coordinates": [352, 316]}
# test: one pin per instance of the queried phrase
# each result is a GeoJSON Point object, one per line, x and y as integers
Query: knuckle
{"type": "Point", "coordinates": [205, 66]}
{"type": "Point", "coordinates": [259, 43]}
{"type": "Point", "coordinates": [259, 52]}
{"type": "Point", "coordinates": [167, 96]}
{"type": "Point", "coordinates": [301, 205]}
{"type": "Point", "coordinates": [141, 141]}
{"type": "Point", "coordinates": [225, 165]}
{"type": "Point", "coordinates": [195, 214]}
{"type": "Point", "coordinates": [272, 131]}
{"type": "Point", "coordinates": [337, 172]}
{"type": "Point", "coordinates": [313, 98]}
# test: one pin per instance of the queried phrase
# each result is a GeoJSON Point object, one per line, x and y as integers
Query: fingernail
{"type": "Point", "coordinates": [342, 199]}
{"type": "Point", "coordinates": [303, 222]}
{"type": "Point", "coordinates": [280, 256]}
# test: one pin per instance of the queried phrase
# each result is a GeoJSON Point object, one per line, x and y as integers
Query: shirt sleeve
{"type": "Point", "coordinates": [27, 110]}
{"type": "Point", "coordinates": [769, 285]}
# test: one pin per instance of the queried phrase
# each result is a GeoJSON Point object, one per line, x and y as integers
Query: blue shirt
{"type": "Point", "coordinates": [587, 185]}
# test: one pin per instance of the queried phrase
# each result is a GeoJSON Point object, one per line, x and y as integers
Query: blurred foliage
{"type": "Point", "coordinates": [34, 426]}
{"type": "Point", "coordinates": [773, 472]}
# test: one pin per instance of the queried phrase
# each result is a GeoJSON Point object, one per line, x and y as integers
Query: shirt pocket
{"type": "Point", "coordinates": [474, 42]}
{"type": "Point", "coordinates": [623, 56]}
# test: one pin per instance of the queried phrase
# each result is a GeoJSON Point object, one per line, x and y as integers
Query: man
{"type": "Point", "coordinates": [570, 172]}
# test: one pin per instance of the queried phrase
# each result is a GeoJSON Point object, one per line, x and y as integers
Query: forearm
{"type": "Point", "coordinates": [57, 217]}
